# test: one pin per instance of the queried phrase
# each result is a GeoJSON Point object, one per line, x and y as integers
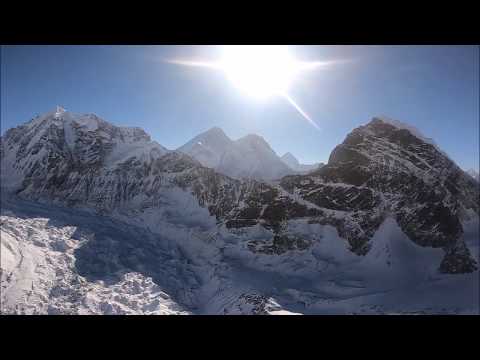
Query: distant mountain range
{"type": "Point", "coordinates": [293, 163]}
{"type": "Point", "coordinates": [100, 219]}
{"type": "Point", "coordinates": [248, 157]}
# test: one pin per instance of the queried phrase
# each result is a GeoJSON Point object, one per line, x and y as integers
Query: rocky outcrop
{"type": "Point", "coordinates": [383, 168]}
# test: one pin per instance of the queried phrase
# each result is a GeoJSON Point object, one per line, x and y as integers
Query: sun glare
{"type": "Point", "coordinates": [260, 71]}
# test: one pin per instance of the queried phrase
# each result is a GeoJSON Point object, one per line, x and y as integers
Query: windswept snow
{"type": "Point", "coordinates": [413, 130]}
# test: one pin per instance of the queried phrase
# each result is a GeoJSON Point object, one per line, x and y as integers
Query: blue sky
{"type": "Point", "coordinates": [435, 88]}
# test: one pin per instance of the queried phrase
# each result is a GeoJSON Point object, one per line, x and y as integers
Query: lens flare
{"type": "Point", "coordinates": [261, 71]}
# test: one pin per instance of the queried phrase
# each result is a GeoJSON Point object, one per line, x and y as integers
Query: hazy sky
{"type": "Point", "coordinates": [435, 88]}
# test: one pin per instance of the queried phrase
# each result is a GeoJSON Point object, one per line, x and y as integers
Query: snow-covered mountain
{"type": "Point", "coordinates": [248, 157]}
{"type": "Point", "coordinates": [100, 219]}
{"type": "Point", "coordinates": [208, 147]}
{"type": "Point", "coordinates": [293, 163]}
{"type": "Point", "coordinates": [61, 140]}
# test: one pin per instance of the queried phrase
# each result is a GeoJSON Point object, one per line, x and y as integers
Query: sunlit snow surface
{"type": "Point", "coordinates": [57, 260]}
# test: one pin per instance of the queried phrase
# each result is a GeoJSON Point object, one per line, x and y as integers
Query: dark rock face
{"type": "Point", "coordinates": [382, 169]}
{"type": "Point", "coordinates": [457, 260]}
{"type": "Point", "coordinates": [252, 303]}
{"type": "Point", "coordinates": [279, 244]}
{"type": "Point", "coordinates": [379, 170]}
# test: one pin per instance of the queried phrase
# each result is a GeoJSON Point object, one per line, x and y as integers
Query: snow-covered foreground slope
{"type": "Point", "coordinates": [58, 260]}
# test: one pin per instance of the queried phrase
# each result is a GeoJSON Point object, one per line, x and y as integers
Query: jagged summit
{"type": "Point", "coordinates": [60, 117]}
{"type": "Point", "coordinates": [72, 140]}
{"type": "Point", "coordinates": [402, 125]}
{"type": "Point", "coordinates": [408, 127]}
{"type": "Point", "coordinates": [208, 147]}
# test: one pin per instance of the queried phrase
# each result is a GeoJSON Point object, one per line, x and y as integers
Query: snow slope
{"type": "Point", "coordinates": [62, 261]}
{"type": "Point", "coordinates": [47, 266]}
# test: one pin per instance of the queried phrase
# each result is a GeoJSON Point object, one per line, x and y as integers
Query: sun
{"type": "Point", "coordinates": [260, 71]}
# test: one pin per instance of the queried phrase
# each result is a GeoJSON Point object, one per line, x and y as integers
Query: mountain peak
{"type": "Point", "coordinates": [403, 126]}
{"type": "Point", "coordinates": [208, 146]}
{"type": "Point", "coordinates": [292, 162]}
{"type": "Point", "coordinates": [288, 154]}
{"type": "Point", "coordinates": [212, 134]}
{"type": "Point", "coordinates": [55, 113]}
{"type": "Point", "coordinates": [253, 139]}
{"type": "Point", "coordinates": [289, 158]}
{"type": "Point", "coordinates": [215, 130]}
{"type": "Point", "coordinates": [249, 156]}
{"type": "Point", "coordinates": [399, 125]}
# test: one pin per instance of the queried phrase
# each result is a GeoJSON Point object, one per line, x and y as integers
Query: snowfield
{"type": "Point", "coordinates": [46, 266]}
{"type": "Point", "coordinates": [62, 261]}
